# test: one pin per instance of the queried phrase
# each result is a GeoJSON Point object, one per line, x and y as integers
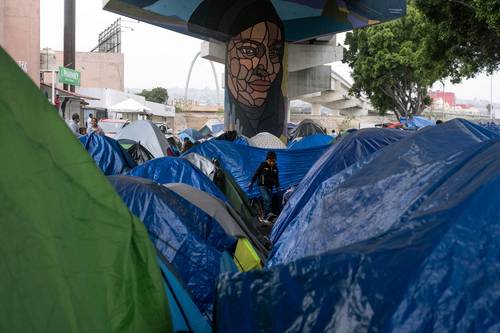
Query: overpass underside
{"type": "Point", "coordinates": [273, 51]}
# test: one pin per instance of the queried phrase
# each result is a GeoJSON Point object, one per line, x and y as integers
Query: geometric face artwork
{"type": "Point", "coordinates": [254, 63]}
{"type": "Point", "coordinates": [254, 72]}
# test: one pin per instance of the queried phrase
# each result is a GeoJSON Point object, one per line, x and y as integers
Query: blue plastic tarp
{"type": "Point", "coordinates": [368, 198]}
{"type": "Point", "coordinates": [184, 136]}
{"type": "Point", "coordinates": [311, 141]}
{"type": "Point", "coordinates": [416, 249]}
{"type": "Point", "coordinates": [168, 170]}
{"type": "Point", "coordinates": [108, 154]}
{"type": "Point", "coordinates": [191, 240]}
{"type": "Point", "coordinates": [348, 150]}
{"type": "Point", "coordinates": [417, 122]}
{"type": "Point", "coordinates": [192, 133]}
{"type": "Point", "coordinates": [241, 162]}
{"type": "Point", "coordinates": [494, 127]}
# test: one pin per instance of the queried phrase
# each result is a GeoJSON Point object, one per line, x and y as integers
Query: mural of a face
{"type": "Point", "coordinates": [254, 61]}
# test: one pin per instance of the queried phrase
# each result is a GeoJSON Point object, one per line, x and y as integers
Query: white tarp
{"type": "Point", "coordinates": [266, 140]}
{"type": "Point", "coordinates": [161, 110]}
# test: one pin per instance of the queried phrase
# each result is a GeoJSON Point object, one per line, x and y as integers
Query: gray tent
{"type": "Point", "coordinates": [148, 135]}
{"type": "Point", "coordinates": [222, 213]}
{"type": "Point", "coordinates": [204, 164]}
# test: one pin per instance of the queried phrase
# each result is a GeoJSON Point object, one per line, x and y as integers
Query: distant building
{"type": "Point", "coordinates": [20, 34]}
{"type": "Point", "coordinates": [442, 100]}
{"type": "Point", "coordinates": [98, 70]}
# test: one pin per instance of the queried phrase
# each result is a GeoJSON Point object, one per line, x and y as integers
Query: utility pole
{"type": "Point", "coordinates": [69, 37]}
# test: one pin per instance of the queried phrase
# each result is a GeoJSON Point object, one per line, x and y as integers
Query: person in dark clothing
{"type": "Point", "coordinates": [267, 178]}
{"type": "Point", "coordinates": [187, 145]}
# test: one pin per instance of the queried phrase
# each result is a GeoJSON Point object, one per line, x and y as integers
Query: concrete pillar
{"type": "Point", "coordinates": [20, 34]}
{"type": "Point", "coordinates": [256, 78]}
{"type": "Point", "coordinates": [316, 109]}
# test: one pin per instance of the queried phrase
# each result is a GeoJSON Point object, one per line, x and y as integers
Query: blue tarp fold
{"type": "Point", "coordinates": [311, 141]}
{"type": "Point", "coordinates": [167, 170]}
{"type": "Point", "coordinates": [108, 154]}
{"type": "Point", "coordinates": [417, 122]}
{"type": "Point", "coordinates": [191, 240]}
{"type": "Point", "coordinates": [345, 152]}
{"type": "Point", "coordinates": [407, 241]}
{"type": "Point", "coordinates": [241, 161]}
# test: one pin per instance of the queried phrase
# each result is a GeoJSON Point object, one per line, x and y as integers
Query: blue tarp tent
{"type": "Point", "coordinates": [167, 170]}
{"type": "Point", "coordinates": [108, 154]}
{"type": "Point", "coordinates": [241, 161]}
{"type": "Point", "coordinates": [186, 236]}
{"type": "Point", "coordinates": [347, 151]}
{"type": "Point", "coordinates": [192, 134]}
{"type": "Point", "coordinates": [311, 141]}
{"type": "Point", "coordinates": [368, 198]}
{"type": "Point", "coordinates": [417, 122]}
{"type": "Point", "coordinates": [413, 244]}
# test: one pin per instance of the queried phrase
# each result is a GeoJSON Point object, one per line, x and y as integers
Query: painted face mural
{"type": "Point", "coordinates": [254, 73]}
{"type": "Point", "coordinates": [254, 62]}
{"type": "Point", "coordinates": [255, 48]}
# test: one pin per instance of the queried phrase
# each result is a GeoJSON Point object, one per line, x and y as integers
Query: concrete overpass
{"type": "Point", "coordinates": [337, 99]}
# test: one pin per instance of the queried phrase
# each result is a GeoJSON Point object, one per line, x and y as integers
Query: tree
{"type": "Point", "coordinates": [390, 64]}
{"type": "Point", "coordinates": [157, 95]}
{"type": "Point", "coordinates": [469, 34]}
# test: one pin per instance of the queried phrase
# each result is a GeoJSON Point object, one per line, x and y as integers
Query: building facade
{"type": "Point", "coordinates": [20, 34]}
{"type": "Point", "coordinates": [98, 70]}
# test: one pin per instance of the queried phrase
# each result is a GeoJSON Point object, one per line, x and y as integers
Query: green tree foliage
{"type": "Point", "coordinates": [157, 95]}
{"type": "Point", "coordinates": [469, 35]}
{"type": "Point", "coordinates": [391, 65]}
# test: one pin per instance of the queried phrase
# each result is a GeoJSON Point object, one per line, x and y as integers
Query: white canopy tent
{"type": "Point", "coordinates": [130, 106]}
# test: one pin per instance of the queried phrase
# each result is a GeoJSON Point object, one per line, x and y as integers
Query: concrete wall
{"type": "Point", "coordinates": [20, 33]}
{"type": "Point", "coordinates": [98, 70]}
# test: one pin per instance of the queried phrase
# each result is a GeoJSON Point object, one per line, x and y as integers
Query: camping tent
{"type": "Point", "coordinates": [73, 257]}
{"type": "Point", "coordinates": [138, 152]}
{"type": "Point", "coordinates": [212, 127]}
{"type": "Point", "coordinates": [222, 213]}
{"type": "Point", "coordinates": [176, 170]}
{"type": "Point", "coordinates": [369, 198]}
{"type": "Point", "coordinates": [108, 154]}
{"type": "Point", "coordinates": [231, 190]}
{"type": "Point", "coordinates": [129, 106]}
{"type": "Point", "coordinates": [349, 150]}
{"type": "Point", "coordinates": [190, 239]}
{"type": "Point", "coordinates": [412, 240]}
{"type": "Point", "coordinates": [241, 161]}
{"type": "Point", "coordinates": [305, 128]}
{"type": "Point", "coordinates": [266, 140]}
{"type": "Point", "coordinates": [148, 135]}
{"type": "Point", "coordinates": [192, 134]}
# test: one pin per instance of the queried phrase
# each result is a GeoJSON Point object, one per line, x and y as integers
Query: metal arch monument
{"type": "Point", "coordinates": [258, 36]}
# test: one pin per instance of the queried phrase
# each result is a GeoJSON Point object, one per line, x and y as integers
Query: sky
{"type": "Point", "coordinates": [159, 57]}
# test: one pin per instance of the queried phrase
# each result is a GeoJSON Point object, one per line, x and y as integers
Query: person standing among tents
{"type": "Point", "coordinates": [187, 145]}
{"type": "Point", "coordinates": [267, 178]}
{"type": "Point", "coordinates": [95, 128]}
{"type": "Point", "coordinates": [75, 124]}
{"type": "Point", "coordinates": [88, 123]}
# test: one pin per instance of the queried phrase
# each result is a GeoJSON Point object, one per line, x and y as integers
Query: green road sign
{"type": "Point", "coordinates": [69, 76]}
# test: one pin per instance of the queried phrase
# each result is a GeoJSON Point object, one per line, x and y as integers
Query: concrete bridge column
{"type": "Point", "coordinates": [316, 109]}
